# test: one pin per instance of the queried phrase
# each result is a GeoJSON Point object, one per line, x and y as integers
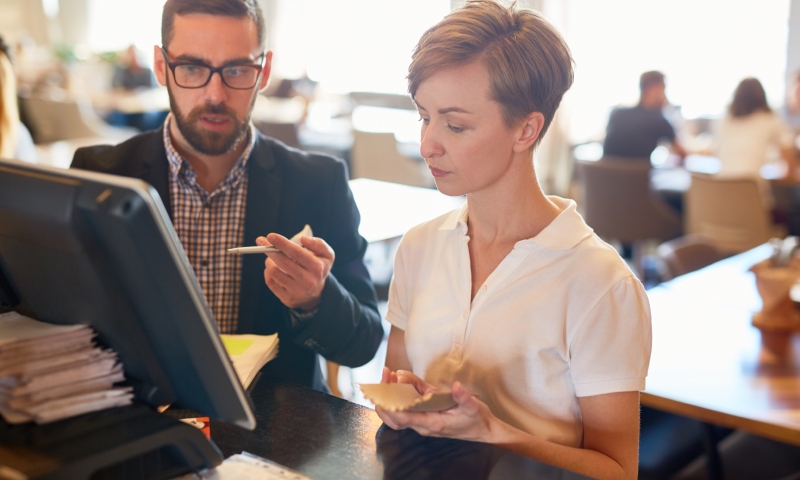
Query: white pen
{"type": "Point", "coordinates": [305, 232]}
{"type": "Point", "coordinates": [246, 250]}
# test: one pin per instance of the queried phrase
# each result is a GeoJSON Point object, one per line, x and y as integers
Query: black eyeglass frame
{"type": "Point", "coordinates": [212, 70]}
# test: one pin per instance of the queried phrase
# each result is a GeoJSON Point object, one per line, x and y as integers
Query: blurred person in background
{"type": "Point", "coordinates": [634, 132]}
{"type": "Point", "coordinates": [749, 134]}
{"type": "Point", "coordinates": [791, 109]}
{"type": "Point", "coordinates": [15, 139]}
{"type": "Point", "coordinates": [132, 74]}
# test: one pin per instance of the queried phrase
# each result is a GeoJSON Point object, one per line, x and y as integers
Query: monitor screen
{"type": "Point", "coordinates": [97, 249]}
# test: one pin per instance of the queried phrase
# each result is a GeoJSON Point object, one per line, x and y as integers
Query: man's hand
{"type": "Point", "coordinates": [296, 275]}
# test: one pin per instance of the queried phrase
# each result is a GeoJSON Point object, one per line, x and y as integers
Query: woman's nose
{"type": "Point", "coordinates": [429, 146]}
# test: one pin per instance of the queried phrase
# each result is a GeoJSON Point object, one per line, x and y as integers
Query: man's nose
{"type": "Point", "coordinates": [216, 90]}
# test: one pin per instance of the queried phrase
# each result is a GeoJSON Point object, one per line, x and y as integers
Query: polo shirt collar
{"type": "Point", "coordinates": [565, 231]}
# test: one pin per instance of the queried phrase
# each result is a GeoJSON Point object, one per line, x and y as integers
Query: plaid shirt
{"type": "Point", "coordinates": [207, 225]}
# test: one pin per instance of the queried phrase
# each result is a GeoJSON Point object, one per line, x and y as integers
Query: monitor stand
{"type": "Point", "coordinates": [132, 442]}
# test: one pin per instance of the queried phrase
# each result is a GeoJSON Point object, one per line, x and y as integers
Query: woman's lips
{"type": "Point", "coordinates": [437, 172]}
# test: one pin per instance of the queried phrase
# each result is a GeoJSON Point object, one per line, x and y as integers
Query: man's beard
{"type": "Point", "coordinates": [203, 141]}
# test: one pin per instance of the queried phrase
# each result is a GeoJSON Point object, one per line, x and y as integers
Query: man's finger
{"type": "Point", "coordinates": [302, 256]}
{"type": "Point", "coordinates": [318, 247]}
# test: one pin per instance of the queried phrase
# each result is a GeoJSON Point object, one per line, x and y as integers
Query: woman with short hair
{"type": "Point", "coordinates": [513, 297]}
{"type": "Point", "coordinates": [15, 139]}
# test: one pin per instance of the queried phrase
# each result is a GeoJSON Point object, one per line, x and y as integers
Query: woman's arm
{"type": "Point", "coordinates": [610, 439]}
{"type": "Point", "coordinates": [789, 156]}
{"type": "Point", "coordinates": [610, 424]}
{"type": "Point", "coordinates": [396, 356]}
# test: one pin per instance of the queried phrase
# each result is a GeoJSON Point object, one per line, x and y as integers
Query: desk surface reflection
{"type": "Point", "coordinates": [326, 437]}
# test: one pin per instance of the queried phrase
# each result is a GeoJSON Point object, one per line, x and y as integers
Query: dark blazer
{"type": "Point", "coordinates": [287, 189]}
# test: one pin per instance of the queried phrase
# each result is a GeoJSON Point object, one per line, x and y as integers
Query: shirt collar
{"type": "Point", "coordinates": [177, 162]}
{"type": "Point", "coordinates": [564, 232]}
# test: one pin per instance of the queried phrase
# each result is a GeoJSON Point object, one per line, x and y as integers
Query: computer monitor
{"type": "Point", "coordinates": [97, 249]}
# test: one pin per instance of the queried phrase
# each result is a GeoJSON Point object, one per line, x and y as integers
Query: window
{"type": "Point", "coordinates": [351, 45]}
{"type": "Point", "coordinates": [703, 47]}
{"type": "Point", "coordinates": [113, 26]}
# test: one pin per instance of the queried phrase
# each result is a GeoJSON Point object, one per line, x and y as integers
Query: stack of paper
{"type": "Point", "coordinates": [246, 466]}
{"type": "Point", "coordinates": [49, 372]}
{"type": "Point", "coordinates": [249, 353]}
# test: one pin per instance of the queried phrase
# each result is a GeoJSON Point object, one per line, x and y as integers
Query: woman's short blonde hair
{"type": "Point", "coordinates": [529, 63]}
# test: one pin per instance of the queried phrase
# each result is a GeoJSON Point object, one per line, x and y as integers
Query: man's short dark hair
{"type": "Point", "coordinates": [223, 8]}
{"type": "Point", "coordinates": [650, 79]}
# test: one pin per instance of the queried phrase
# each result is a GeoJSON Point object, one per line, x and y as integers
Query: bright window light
{"type": "Point", "coordinates": [351, 45]}
{"type": "Point", "coordinates": [113, 26]}
{"type": "Point", "coordinates": [703, 47]}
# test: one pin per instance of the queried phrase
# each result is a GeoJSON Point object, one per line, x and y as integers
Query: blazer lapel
{"type": "Point", "coordinates": [261, 217]}
{"type": "Point", "coordinates": [154, 167]}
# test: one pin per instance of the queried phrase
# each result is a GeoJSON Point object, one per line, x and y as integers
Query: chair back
{"type": "Point", "coordinates": [786, 194]}
{"type": "Point", "coordinates": [729, 212]}
{"type": "Point", "coordinates": [286, 132]}
{"type": "Point", "coordinates": [686, 254]}
{"type": "Point", "coordinates": [375, 156]}
{"type": "Point", "coordinates": [618, 202]}
{"type": "Point", "coordinates": [54, 120]}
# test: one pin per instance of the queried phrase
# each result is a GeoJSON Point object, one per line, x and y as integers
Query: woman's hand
{"type": "Point", "coordinates": [404, 376]}
{"type": "Point", "coordinates": [470, 419]}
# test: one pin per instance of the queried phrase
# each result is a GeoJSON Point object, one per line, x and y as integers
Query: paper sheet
{"type": "Point", "coordinates": [397, 397]}
{"type": "Point", "coordinates": [249, 353]}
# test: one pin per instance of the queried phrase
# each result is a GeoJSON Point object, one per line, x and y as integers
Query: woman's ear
{"type": "Point", "coordinates": [529, 132]}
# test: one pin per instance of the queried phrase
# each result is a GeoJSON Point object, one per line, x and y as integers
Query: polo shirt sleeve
{"type": "Point", "coordinates": [399, 292]}
{"type": "Point", "coordinates": [610, 351]}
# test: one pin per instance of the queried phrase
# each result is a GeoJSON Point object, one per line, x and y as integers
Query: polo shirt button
{"type": "Point", "coordinates": [484, 288]}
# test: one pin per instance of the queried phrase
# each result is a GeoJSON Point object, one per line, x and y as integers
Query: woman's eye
{"type": "Point", "coordinates": [424, 120]}
{"type": "Point", "coordinates": [455, 129]}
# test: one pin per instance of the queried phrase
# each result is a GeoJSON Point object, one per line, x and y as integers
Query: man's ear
{"type": "Point", "coordinates": [159, 66]}
{"type": "Point", "coordinates": [529, 132]}
{"type": "Point", "coordinates": [266, 71]}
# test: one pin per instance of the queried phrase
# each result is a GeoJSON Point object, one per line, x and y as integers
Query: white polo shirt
{"type": "Point", "coordinates": [561, 317]}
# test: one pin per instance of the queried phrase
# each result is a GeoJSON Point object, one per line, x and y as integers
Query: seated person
{"type": "Point", "coordinates": [224, 184]}
{"type": "Point", "coordinates": [791, 110]}
{"type": "Point", "coordinates": [512, 297]}
{"type": "Point", "coordinates": [748, 134]}
{"type": "Point", "coordinates": [634, 132]}
{"type": "Point", "coordinates": [15, 139]}
{"type": "Point", "coordinates": [131, 74]}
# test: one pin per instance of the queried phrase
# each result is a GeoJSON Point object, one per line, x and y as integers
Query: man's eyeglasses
{"type": "Point", "coordinates": [197, 75]}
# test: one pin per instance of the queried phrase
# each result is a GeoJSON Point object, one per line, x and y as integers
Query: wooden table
{"type": "Point", "coordinates": [389, 210]}
{"type": "Point", "coordinates": [709, 363]}
{"type": "Point", "coordinates": [131, 101]}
